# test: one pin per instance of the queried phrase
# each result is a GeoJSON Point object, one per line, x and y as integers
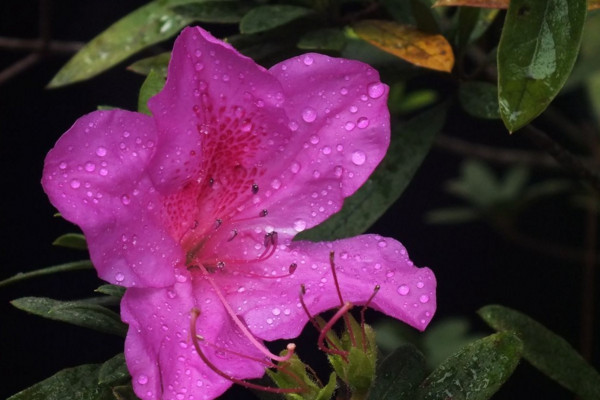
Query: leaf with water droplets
{"type": "Point", "coordinates": [78, 383]}
{"type": "Point", "coordinates": [71, 266]}
{"type": "Point", "coordinates": [214, 12]}
{"type": "Point", "coordinates": [145, 26]}
{"type": "Point", "coordinates": [538, 48]}
{"type": "Point", "coordinates": [409, 145]}
{"type": "Point", "coordinates": [153, 84]}
{"type": "Point", "coordinates": [114, 371]}
{"type": "Point", "coordinates": [399, 374]}
{"type": "Point", "coordinates": [159, 62]}
{"type": "Point", "coordinates": [78, 313]}
{"type": "Point", "coordinates": [267, 17]}
{"type": "Point", "coordinates": [71, 241]}
{"type": "Point", "coordinates": [476, 372]}
{"type": "Point", "coordinates": [547, 351]}
{"type": "Point", "coordinates": [423, 49]}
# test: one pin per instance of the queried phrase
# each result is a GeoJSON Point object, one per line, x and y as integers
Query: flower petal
{"type": "Point", "coordinates": [96, 177]}
{"type": "Point", "coordinates": [272, 310]}
{"type": "Point", "coordinates": [159, 350]}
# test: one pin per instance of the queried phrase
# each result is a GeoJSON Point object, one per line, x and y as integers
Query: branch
{"type": "Point", "coordinates": [53, 46]}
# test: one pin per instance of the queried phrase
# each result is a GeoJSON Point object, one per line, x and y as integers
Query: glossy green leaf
{"type": "Point", "coordinates": [145, 26]}
{"type": "Point", "coordinates": [547, 351]}
{"type": "Point", "coordinates": [71, 266]}
{"type": "Point", "coordinates": [72, 241]}
{"type": "Point", "coordinates": [78, 383]}
{"type": "Point", "coordinates": [323, 39]}
{"type": "Point", "coordinates": [538, 48]}
{"type": "Point", "coordinates": [111, 290]}
{"type": "Point", "coordinates": [153, 84]}
{"type": "Point", "coordinates": [476, 372]}
{"type": "Point", "coordinates": [409, 145]}
{"type": "Point", "coordinates": [399, 374]}
{"type": "Point", "coordinates": [219, 12]}
{"type": "Point", "coordinates": [479, 99]}
{"type": "Point", "coordinates": [159, 62]}
{"type": "Point", "coordinates": [114, 371]}
{"type": "Point", "coordinates": [264, 18]}
{"type": "Point", "coordinates": [80, 313]}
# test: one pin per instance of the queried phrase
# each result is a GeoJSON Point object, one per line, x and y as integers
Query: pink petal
{"type": "Point", "coordinates": [96, 177]}
{"type": "Point", "coordinates": [272, 309]}
{"type": "Point", "coordinates": [159, 350]}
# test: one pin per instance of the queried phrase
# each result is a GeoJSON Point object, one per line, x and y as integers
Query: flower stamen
{"type": "Point", "coordinates": [341, 313]}
{"type": "Point", "coordinates": [362, 317]}
{"type": "Point", "coordinates": [339, 292]}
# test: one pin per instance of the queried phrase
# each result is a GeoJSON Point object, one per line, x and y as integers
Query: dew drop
{"type": "Point", "coordinates": [269, 321]}
{"type": "Point", "coordinates": [241, 289]}
{"type": "Point", "coordinates": [119, 277]}
{"type": "Point", "coordinates": [420, 285]}
{"type": "Point", "coordinates": [344, 91]}
{"type": "Point", "coordinates": [125, 199]}
{"type": "Point", "coordinates": [353, 109]}
{"type": "Point", "coordinates": [362, 122]}
{"type": "Point", "coordinates": [90, 166]}
{"type": "Point", "coordinates": [309, 114]}
{"type": "Point", "coordinates": [101, 151]}
{"type": "Point", "coordinates": [403, 290]}
{"type": "Point", "coordinates": [142, 379]}
{"type": "Point", "coordinates": [75, 184]}
{"type": "Point", "coordinates": [287, 311]}
{"type": "Point", "coordinates": [299, 225]}
{"type": "Point", "coordinates": [338, 171]}
{"type": "Point", "coordinates": [308, 60]}
{"type": "Point", "coordinates": [295, 168]}
{"type": "Point", "coordinates": [275, 184]}
{"type": "Point", "coordinates": [293, 125]}
{"type": "Point", "coordinates": [62, 165]}
{"type": "Point", "coordinates": [375, 90]}
{"type": "Point", "coordinates": [424, 298]}
{"type": "Point", "coordinates": [103, 171]}
{"type": "Point", "coordinates": [199, 66]}
{"type": "Point", "coordinates": [276, 311]}
{"type": "Point", "coordinates": [359, 157]}
{"type": "Point", "coordinates": [198, 53]}
{"type": "Point", "coordinates": [349, 126]}
{"type": "Point", "coordinates": [326, 150]}
{"type": "Point", "coordinates": [382, 243]}
{"type": "Point", "coordinates": [314, 139]}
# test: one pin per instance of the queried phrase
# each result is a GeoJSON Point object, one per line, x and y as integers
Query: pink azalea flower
{"type": "Point", "coordinates": [196, 206]}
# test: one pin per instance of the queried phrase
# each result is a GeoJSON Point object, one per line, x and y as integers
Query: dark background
{"type": "Point", "coordinates": [474, 265]}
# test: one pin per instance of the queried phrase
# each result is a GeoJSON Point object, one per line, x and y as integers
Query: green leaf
{"type": "Point", "coordinates": [538, 47]}
{"type": "Point", "coordinates": [547, 351]}
{"type": "Point", "coordinates": [264, 18]}
{"type": "Point", "coordinates": [71, 266]}
{"type": "Point", "coordinates": [214, 12]}
{"type": "Point", "coordinates": [399, 374]}
{"type": "Point", "coordinates": [445, 338]}
{"type": "Point", "coordinates": [145, 26]}
{"type": "Point", "coordinates": [78, 383]}
{"type": "Point", "coordinates": [124, 392]}
{"type": "Point", "coordinates": [80, 313]}
{"type": "Point", "coordinates": [114, 371]}
{"type": "Point", "coordinates": [72, 241]}
{"type": "Point", "coordinates": [476, 372]}
{"type": "Point", "coordinates": [479, 99]}
{"type": "Point", "coordinates": [323, 39]}
{"type": "Point", "coordinates": [153, 84]}
{"type": "Point", "coordinates": [159, 62]}
{"type": "Point", "coordinates": [111, 290]}
{"type": "Point", "coordinates": [472, 23]}
{"type": "Point", "coordinates": [409, 145]}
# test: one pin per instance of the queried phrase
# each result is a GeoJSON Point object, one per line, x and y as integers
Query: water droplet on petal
{"type": "Point", "coordinates": [293, 125]}
{"type": "Point", "coordinates": [314, 139]}
{"type": "Point", "coordinates": [276, 311]}
{"type": "Point", "coordinates": [125, 199]}
{"type": "Point", "coordinates": [199, 66]}
{"type": "Point", "coordinates": [344, 91]}
{"type": "Point", "coordinates": [246, 126]}
{"type": "Point", "coordinates": [295, 167]}
{"type": "Point", "coordinates": [403, 290]}
{"type": "Point", "coordinates": [375, 90]}
{"type": "Point", "coordinates": [103, 171]}
{"type": "Point", "coordinates": [299, 225]}
{"type": "Point", "coordinates": [75, 184]}
{"type": "Point", "coordinates": [308, 60]}
{"type": "Point", "coordinates": [309, 114]}
{"type": "Point", "coordinates": [142, 379]}
{"type": "Point", "coordinates": [269, 321]}
{"type": "Point", "coordinates": [382, 243]}
{"type": "Point", "coordinates": [90, 166]}
{"type": "Point", "coordinates": [420, 285]}
{"type": "Point", "coordinates": [275, 184]}
{"type": "Point", "coordinates": [424, 298]}
{"type": "Point", "coordinates": [62, 165]}
{"type": "Point", "coordinates": [101, 151]}
{"type": "Point", "coordinates": [198, 53]}
{"type": "Point", "coordinates": [119, 277]}
{"type": "Point", "coordinates": [349, 126]}
{"type": "Point", "coordinates": [326, 150]}
{"type": "Point", "coordinates": [359, 157]}
{"type": "Point", "coordinates": [362, 122]}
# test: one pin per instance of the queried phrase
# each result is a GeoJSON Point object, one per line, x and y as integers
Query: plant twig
{"type": "Point", "coordinates": [19, 66]}
{"type": "Point", "coordinates": [563, 156]}
{"type": "Point", "coordinates": [53, 46]}
{"type": "Point", "coordinates": [494, 154]}
{"type": "Point", "coordinates": [588, 281]}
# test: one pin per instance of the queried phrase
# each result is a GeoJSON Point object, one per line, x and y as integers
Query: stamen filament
{"type": "Point", "coordinates": [291, 346]}
{"type": "Point", "coordinates": [362, 316]}
{"type": "Point", "coordinates": [249, 385]}
{"type": "Point", "coordinates": [339, 314]}
{"type": "Point", "coordinates": [339, 292]}
{"type": "Point", "coordinates": [312, 319]}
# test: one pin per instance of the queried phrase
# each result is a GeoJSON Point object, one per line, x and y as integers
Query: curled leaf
{"type": "Point", "coordinates": [423, 49]}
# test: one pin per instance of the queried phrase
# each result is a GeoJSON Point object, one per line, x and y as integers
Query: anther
{"type": "Point", "coordinates": [254, 188]}
{"type": "Point", "coordinates": [264, 213]}
{"type": "Point", "coordinates": [271, 239]}
{"type": "Point", "coordinates": [234, 233]}
{"type": "Point", "coordinates": [220, 265]}
{"type": "Point", "coordinates": [362, 316]}
{"type": "Point", "coordinates": [293, 267]}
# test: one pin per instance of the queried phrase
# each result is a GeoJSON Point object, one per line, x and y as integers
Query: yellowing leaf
{"type": "Point", "coordinates": [592, 4]}
{"type": "Point", "coordinates": [423, 49]}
